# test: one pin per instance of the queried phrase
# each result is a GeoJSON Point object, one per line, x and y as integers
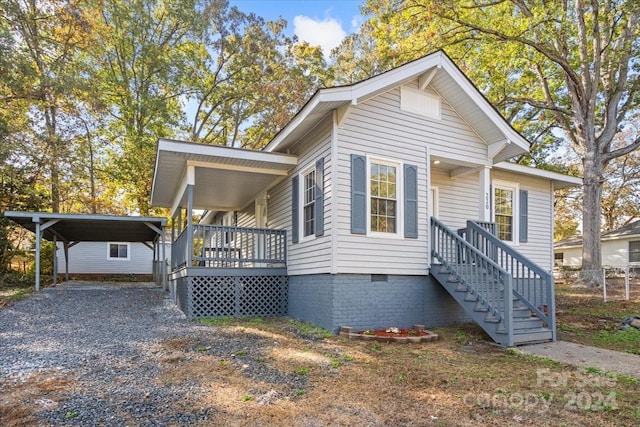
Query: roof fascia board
{"type": "Point", "coordinates": [396, 77]}
{"type": "Point", "coordinates": [219, 151]}
{"type": "Point", "coordinates": [238, 168]}
{"type": "Point", "coordinates": [541, 173]}
{"type": "Point", "coordinates": [81, 217]}
{"type": "Point", "coordinates": [294, 123]}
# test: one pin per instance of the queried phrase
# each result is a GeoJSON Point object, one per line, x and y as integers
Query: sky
{"type": "Point", "coordinates": [318, 22]}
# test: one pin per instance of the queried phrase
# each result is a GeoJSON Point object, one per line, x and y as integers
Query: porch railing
{"type": "Point", "coordinates": [531, 284]}
{"type": "Point", "coordinates": [481, 276]}
{"type": "Point", "coordinates": [221, 246]}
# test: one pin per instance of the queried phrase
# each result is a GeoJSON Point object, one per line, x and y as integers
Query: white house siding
{"type": "Point", "coordinates": [539, 246]}
{"type": "Point", "coordinates": [571, 257]}
{"type": "Point", "coordinates": [311, 256]}
{"type": "Point", "coordinates": [92, 258]}
{"type": "Point", "coordinates": [379, 128]}
{"type": "Point", "coordinates": [615, 253]}
{"type": "Point", "coordinates": [457, 198]}
{"type": "Point", "coordinates": [247, 216]}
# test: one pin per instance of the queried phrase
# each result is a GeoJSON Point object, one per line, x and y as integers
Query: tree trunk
{"type": "Point", "coordinates": [592, 201]}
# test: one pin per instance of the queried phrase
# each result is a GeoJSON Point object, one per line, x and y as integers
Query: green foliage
{"type": "Point", "coordinates": [309, 330]}
{"type": "Point", "coordinates": [302, 371]}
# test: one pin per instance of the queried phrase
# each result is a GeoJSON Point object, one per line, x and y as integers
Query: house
{"type": "Point", "coordinates": [620, 248]}
{"type": "Point", "coordinates": [384, 203]}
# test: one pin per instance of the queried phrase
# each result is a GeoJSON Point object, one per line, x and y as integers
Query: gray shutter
{"type": "Point", "coordinates": [295, 220]}
{"type": "Point", "coordinates": [358, 194]}
{"type": "Point", "coordinates": [411, 201]}
{"type": "Point", "coordinates": [319, 202]}
{"type": "Point", "coordinates": [524, 216]}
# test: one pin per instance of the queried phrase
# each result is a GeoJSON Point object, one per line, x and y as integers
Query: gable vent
{"type": "Point", "coordinates": [419, 102]}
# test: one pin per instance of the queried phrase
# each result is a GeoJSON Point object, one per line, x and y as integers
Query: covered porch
{"type": "Point", "coordinates": [219, 268]}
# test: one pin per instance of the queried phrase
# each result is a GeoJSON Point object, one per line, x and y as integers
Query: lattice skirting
{"type": "Point", "coordinates": [215, 296]}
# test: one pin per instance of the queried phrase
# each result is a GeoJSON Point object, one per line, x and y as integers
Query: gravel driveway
{"type": "Point", "coordinates": [104, 342]}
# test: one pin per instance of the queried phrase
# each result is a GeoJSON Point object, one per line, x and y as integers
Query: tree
{"type": "Point", "coordinates": [621, 189]}
{"type": "Point", "coordinates": [41, 65]}
{"type": "Point", "coordinates": [253, 78]}
{"type": "Point", "coordinates": [569, 66]}
{"type": "Point", "coordinates": [359, 57]}
{"type": "Point", "coordinates": [140, 61]}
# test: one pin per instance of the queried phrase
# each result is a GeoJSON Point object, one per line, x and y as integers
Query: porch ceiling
{"type": "Point", "coordinates": [224, 178]}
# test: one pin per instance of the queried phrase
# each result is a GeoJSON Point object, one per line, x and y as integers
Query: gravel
{"type": "Point", "coordinates": [106, 341]}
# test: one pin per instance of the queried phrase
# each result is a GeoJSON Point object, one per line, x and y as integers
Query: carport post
{"type": "Point", "coordinates": [37, 221]}
{"type": "Point", "coordinates": [65, 245]}
{"type": "Point", "coordinates": [55, 260]}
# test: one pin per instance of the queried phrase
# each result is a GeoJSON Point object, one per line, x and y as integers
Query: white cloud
{"type": "Point", "coordinates": [356, 23]}
{"type": "Point", "coordinates": [327, 33]}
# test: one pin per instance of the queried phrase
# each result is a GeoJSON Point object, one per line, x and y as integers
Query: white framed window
{"type": "Point", "coordinates": [634, 251]}
{"type": "Point", "coordinates": [505, 210]}
{"type": "Point", "coordinates": [118, 251]}
{"type": "Point", "coordinates": [307, 203]}
{"type": "Point", "coordinates": [384, 196]}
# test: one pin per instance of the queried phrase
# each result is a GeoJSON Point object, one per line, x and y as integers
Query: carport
{"type": "Point", "coordinates": [72, 229]}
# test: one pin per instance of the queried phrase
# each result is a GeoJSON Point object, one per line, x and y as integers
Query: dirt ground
{"type": "Point", "coordinates": [460, 380]}
{"type": "Point", "coordinates": [583, 316]}
{"type": "Point", "coordinates": [298, 377]}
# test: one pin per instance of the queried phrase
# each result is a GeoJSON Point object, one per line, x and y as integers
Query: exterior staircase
{"type": "Point", "coordinates": [510, 297]}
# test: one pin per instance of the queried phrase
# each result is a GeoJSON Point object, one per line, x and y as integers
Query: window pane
{"type": "Point", "coordinates": [122, 251]}
{"type": "Point", "coordinates": [308, 204]}
{"type": "Point", "coordinates": [113, 251]}
{"type": "Point", "coordinates": [503, 199]}
{"type": "Point", "coordinates": [634, 251]}
{"type": "Point", "coordinates": [383, 198]}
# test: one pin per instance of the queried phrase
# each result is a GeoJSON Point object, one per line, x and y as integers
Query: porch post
{"type": "Point", "coordinates": [189, 224]}
{"type": "Point", "coordinates": [163, 269]}
{"type": "Point", "coordinates": [485, 194]}
{"type": "Point", "coordinates": [191, 181]}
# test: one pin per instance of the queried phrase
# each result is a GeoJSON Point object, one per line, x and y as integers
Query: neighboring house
{"type": "Point", "coordinates": [109, 258]}
{"type": "Point", "coordinates": [620, 247]}
{"type": "Point", "coordinates": [352, 214]}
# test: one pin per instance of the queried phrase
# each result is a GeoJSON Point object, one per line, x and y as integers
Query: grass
{"type": "Point", "coordinates": [583, 317]}
{"type": "Point", "coordinates": [14, 287]}
{"type": "Point", "coordinates": [462, 379]}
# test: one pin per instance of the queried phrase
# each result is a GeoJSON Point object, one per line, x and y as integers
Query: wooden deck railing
{"type": "Point", "coordinates": [531, 283]}
{"type": "Point", "coordinates": [221, 246]}
{"type": "Point", "coordinates": [486, 280]}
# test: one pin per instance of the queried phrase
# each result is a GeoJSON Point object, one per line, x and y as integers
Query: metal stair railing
{"type": "Point", "coordinates": [485, 279]}
{"type": "Point", "coordinates": [531, 283]}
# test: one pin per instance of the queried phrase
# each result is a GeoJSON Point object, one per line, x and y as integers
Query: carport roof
{"type": "Point", "coordinates": [89, 227]}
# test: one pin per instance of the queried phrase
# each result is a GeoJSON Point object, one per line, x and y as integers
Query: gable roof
{"type": "Point", "coordinates": [438, 71]}
{"type": "Point", "coordinates": [626, 231]}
